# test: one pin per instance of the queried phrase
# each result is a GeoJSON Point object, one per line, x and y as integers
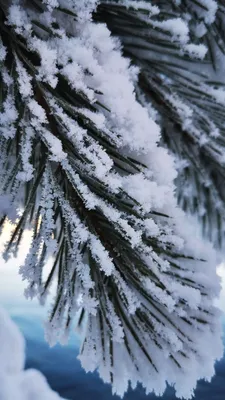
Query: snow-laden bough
{"type": "Point", "coordinates": [99, 197]}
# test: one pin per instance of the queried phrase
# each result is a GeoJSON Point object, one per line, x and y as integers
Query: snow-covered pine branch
{"type": "Point", "coordinates": [179, 47]}
{"type": "Point", "coordinates": [82, 168]}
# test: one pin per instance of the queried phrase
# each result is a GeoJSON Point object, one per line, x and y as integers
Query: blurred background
{"type": "Point", "coordinates": [59, 364]}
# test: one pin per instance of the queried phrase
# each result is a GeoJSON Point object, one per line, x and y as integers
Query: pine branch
{"type": "Point", "coordinates": [79, 157]}
{"type": "Point", "coordinates": [183, 92]}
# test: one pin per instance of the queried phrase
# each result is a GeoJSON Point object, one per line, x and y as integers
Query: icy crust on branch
{"type": "Point", "coordinates": [104, 190]}
{"type": "Point", "coordinates": [15, 382]}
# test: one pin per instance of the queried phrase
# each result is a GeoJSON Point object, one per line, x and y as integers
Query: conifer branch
{"type": "Point", "coordinates": [82, 169]}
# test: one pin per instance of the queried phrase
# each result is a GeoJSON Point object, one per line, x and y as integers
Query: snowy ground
{"type": "Point", "coordinates": [15, 382]}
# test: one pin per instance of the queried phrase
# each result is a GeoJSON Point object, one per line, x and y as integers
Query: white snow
{"type": "Point", "coordinates": [15, 382]}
